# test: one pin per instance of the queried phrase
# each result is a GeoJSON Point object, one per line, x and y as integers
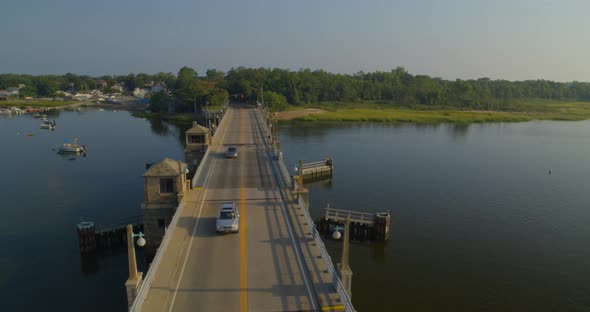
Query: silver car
{"type": "Point", "coordinates": [229, 218]}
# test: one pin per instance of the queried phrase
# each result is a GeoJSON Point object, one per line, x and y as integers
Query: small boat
{"type": "Point", "coordinates": [46, 124]}
{"type": "Point", "coordinates": [16, 111]}
{"type": "Point", "coordinates": [37, 115]}
{"type": "Point", "coordinates": [5, 111]}
{"type": "Point", "coordinates": [72, 147]}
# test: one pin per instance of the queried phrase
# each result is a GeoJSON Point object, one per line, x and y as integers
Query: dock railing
{"type": "Point", "coordinates": [358, 217]}
{"type": "Point", "coordinates": [315, 164]}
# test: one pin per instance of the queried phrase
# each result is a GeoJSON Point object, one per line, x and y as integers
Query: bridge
{"type": "Point", "coordinates": [277, 261]}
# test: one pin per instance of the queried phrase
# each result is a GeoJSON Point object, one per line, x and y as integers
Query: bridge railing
{"type": "Point", "coordinates": [316, 235]}
{"type": "Point", "coordinates": [147, 280]}
{"type": "Point", "coordinates": [276, 153]}
{"type": "Point", "coordinates": [149, 277]}
{"type": "Point", "coordinates": [346, 301]}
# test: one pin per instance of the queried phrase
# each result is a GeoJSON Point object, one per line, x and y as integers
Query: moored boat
{"type": "Point", "coordinates": [72, 147]}
{"type": "Point", "coordinates": [46, 124]}
{"type": "Point", "coordinates": [16, 111]}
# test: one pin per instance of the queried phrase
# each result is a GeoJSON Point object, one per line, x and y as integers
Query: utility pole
{"type": "Point", "coordinates": [195, 105]}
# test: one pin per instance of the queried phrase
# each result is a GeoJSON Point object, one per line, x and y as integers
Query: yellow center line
{"type": "Point", "coordinates": [243, 276]}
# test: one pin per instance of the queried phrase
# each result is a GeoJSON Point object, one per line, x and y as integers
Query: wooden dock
{"type": "Point", "coordinates": [315, 171]}
{"type": "Point", "coordinates": [92, 239]}
{"type": "Point", "coordinates": [363, 226]}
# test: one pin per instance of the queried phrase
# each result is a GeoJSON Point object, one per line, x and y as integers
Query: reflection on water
{"type": "Point", "coordinates": [89, 263]}
{"type": "Point", "coordinates": [458, 131]}
{"type": "Point", "coordinates": [45, 194]}
{"type": "Point", "coordinates": [477, 223]}
{"type": "Point", "coordinates": [165, 128]}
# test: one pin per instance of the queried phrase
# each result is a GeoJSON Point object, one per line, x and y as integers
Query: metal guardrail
{"type": "Point", "coordinates": [277, 154]}
{"type": "Point", "coordinates": [325, 256]}
{"type": "Point", "coordinates": [359, 217]}
{"type": "Point", "coordinates": [316, 236]}
{"type": "Point", "coordinates": [147, 280]}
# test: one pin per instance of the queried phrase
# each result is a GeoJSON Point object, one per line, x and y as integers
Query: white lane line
{"type": "Point", "coordinates": [196, 223]}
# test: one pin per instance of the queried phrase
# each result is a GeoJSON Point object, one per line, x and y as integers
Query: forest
{"type": "Point", "coordinates": [187, 90]}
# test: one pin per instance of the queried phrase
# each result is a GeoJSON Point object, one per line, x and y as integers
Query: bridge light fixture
{"type": "Point", "coordinates": [336, 234]}
{"type": "Point", "coordinates": [141, 241]}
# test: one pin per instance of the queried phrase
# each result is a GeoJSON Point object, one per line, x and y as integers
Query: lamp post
{"type": "Point", "coordinates": [133, 274]}
{"type": "Point", "coordinates": [195, 105]}
{"type": "Point", "coordinates": [135, 278]}
{"type": "Point", "coordinates": [343, 267]}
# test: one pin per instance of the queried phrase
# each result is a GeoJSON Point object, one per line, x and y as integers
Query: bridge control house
{"type": "Point", "coordinates": [198, 139]}
{"type": "Point", "coordinates": [165, 183]}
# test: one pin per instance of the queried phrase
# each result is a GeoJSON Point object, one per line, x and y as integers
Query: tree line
{"type": "Point", "coordinates": [187, 89]}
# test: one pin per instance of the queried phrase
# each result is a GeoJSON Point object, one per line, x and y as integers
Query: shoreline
{"type": "Point", "coordinates": [560, 112]}
{"type": "Point", "coordinates": [357, 112]}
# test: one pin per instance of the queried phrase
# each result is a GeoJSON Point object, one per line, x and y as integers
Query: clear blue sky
{"type": "Point", "coordinates": [514, 40]}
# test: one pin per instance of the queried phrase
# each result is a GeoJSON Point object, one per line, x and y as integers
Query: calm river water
{"type": "Point", "coordinates": [44, 195]}
{"type": "Point", "coordinates": [478, 224]}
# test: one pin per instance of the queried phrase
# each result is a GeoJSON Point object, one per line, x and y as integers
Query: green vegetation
{"type": "Point", "coordinates": [522, 111]}
{"type": "Point", "coordinates": [25, 104]}
{"type": "Point", "coordinates": [394, 96]}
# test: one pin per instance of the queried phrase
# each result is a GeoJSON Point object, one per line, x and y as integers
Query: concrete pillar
{"type": "Point", "coordinates": [135, 278]}
{"type": "Point", "coordinates": [304, 193]}
{"type": "Point", "coordinates": [344, 268]}
{"type": "Point", "coordinates": [301, 173]}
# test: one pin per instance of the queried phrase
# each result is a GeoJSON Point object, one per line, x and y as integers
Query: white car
{"type": "Point", "coordinates": [228, 219]}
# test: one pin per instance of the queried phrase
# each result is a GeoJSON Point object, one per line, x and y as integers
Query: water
{"type": "Point", "coordinates": [44, 195]}
{"type": "Point", "coordinates": [478, 224]}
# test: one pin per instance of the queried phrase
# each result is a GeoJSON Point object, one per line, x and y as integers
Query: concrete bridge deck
{"type": "Point", "coordinates": [272, 264]}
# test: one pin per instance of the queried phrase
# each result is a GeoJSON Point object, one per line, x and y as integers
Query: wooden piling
{"type": "Point", "coordinates": [381, 228]}
{"type": "Point", "coordinates": [92, 239]}
{"type": "Point", "coordinates": [86, 236]}
{"type": "Point", "coordinates": [364, 227]}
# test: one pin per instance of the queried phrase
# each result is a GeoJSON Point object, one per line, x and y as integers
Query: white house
{"type": "Point", "coordinates": [140, 93]}
{"type": "Point", "coordinates": [157, 88]}
{"type": "Point", "coordinates": [119, 87]}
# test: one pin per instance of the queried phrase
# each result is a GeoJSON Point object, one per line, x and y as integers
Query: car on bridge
{"type": "Point", "coordinates": [229, 218]}
{"type": "Point", "coordinates": [232, 152]}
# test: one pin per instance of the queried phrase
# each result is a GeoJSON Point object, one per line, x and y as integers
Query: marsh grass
{"type": "Point", "coordinates": [515, 111]}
